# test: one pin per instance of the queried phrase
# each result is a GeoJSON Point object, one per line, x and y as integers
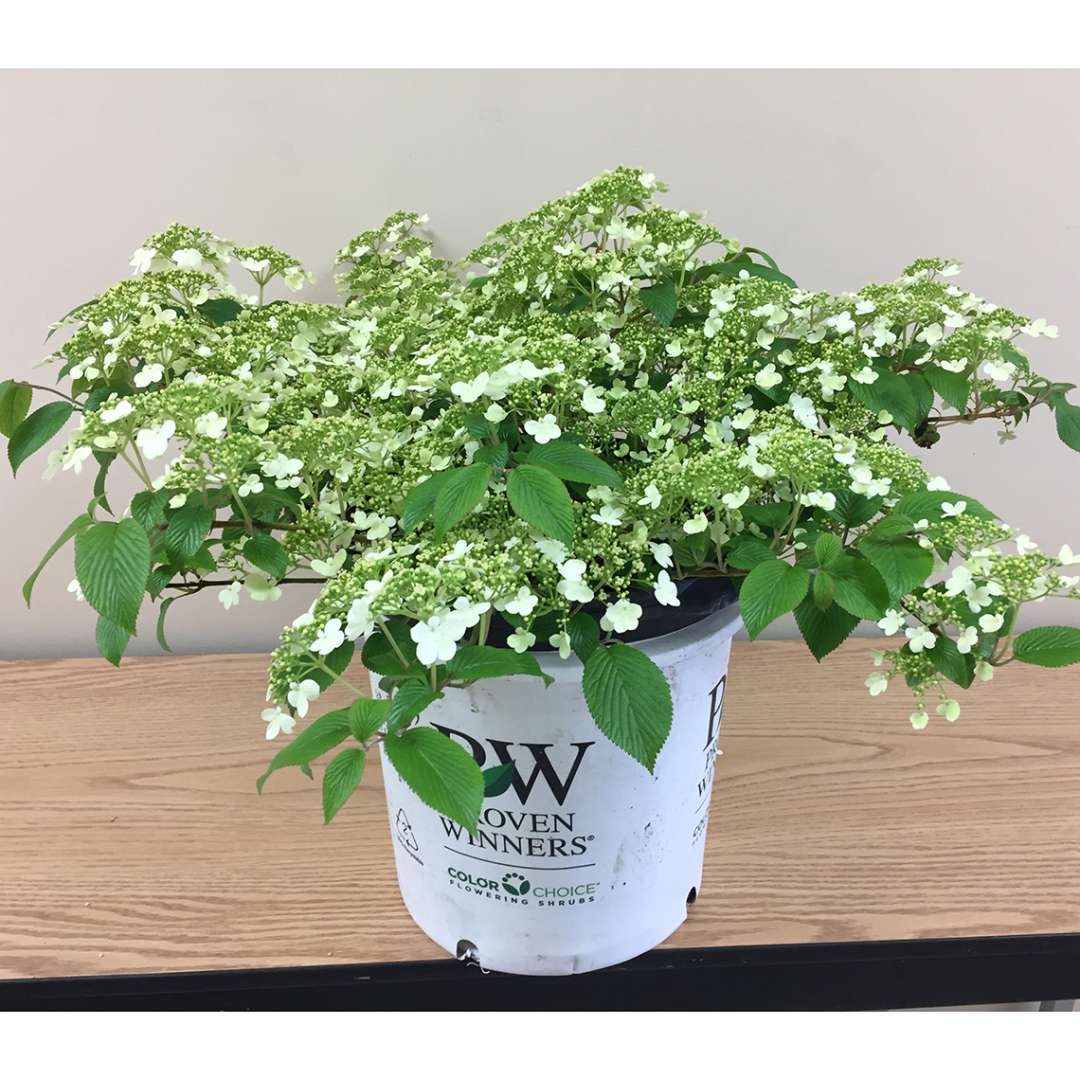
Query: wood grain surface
{"type": "Point", "coordinates": [132, 839]}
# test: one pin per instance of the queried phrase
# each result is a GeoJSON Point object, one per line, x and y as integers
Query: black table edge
{"type": "Point", "coordinates": [843, 975]}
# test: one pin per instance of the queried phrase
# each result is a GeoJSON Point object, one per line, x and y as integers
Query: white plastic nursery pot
{"type": "Point", "coordinates": [586, 860]}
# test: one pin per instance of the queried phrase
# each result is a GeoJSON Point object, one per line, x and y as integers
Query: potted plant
{"type": "Point", "coordinates": [534, 486]}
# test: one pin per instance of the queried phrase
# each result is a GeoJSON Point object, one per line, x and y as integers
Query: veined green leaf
{"type": "Point", "coordinates": [15, 398]}
{"type": "Point", "coordinates": [83, 521]}
{"type": "Point", "coordinates": [662, 300]}
{"type": "Point", "coordinates": [187, 528]}
{"type": "Point", "coordinates": [568, 461]}
{"type": "Point", "coordinates": [112, 563]}
{"type": "Point", "coordinates": [488, 662]}
{"type": "Point", "coordinates": [410, 699]}
{"type": "Point", "coordinates": [542, 500]}
{"type": "Point", "coordinates": [36, 430]}
{"type": "Point", "coordinates": [460, 492]}
{"type": "Point", "coordinates": [770, 590]}
{"type": "Point", "coordinates": [318, 737]}
{"type": "Point", "coordinates": [111, 640]}
{"type": "Point", "coordinates": [1048, 646]}
{"type": "Point", "coordinates": [823, 630]}
{"type": "Point", "coordinates": [341, 779]}
{"type": "Point", "coordinates": [265, 552]}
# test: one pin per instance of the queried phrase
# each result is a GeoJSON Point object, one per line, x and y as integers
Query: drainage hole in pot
{"type": "Point", "coordinates": [467, 951]}
{"type": "Point", "coordinates": [691, 896]}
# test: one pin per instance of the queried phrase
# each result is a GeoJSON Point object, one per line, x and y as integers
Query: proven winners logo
{"type": "Point", "coordinates": [515, 888]}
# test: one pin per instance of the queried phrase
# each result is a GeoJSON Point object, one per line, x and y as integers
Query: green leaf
{"type": "Point", "coordinates": [318, 737]}
{"type": "Point", "coordinates": [160, 629]}
{"type": "Point", "coordinates": [822, 591]}
{"type": "Point", "coordinates": [220, 310]}
{"type": "Point", "coordinates": [104, 461]}
{"type": "Point", "coordinates": [378, 654]}
{"type": "Point", "coordinates": [852, 509]}
{"type": "Point", "coordinates": [772, 515]}
{"type": "Point", "coordinates": [111, 640]}
{"type": "Point", "coordinates": [826, 548]}
{"type": "Point", "coordinates": [83, 521]}
{"type": "Point", "coordinates": [892, 392]}
{"type": "Point", "coordinates": [568, 461]}
{"type": "Point", "coordinates": [584, 634]}
{"type": "Point", "coordinates": [746, 552]}
{"type": "Point", "coordinates": [148, 508]}
{"type": "Point", "coordinates": [188, 527]}
{"type": "Point", "coordinates": [341, 779]}
{"type": "Point", "coordinates": [440, 773]}
{"type": "Point", "coordinates": [732, 269]}
{"type": "Point", "coordinates": [420, 502]}
{"type": "Point", "coordinates": [662, 300]}
{"type": "Point", "coordinates": [495, 456]}
{"type": "Point", "coordinates": [112, 563]}
{"type": "Point", "coordinates": [921, 394]}
{"type": "Point", "coordinates": [951, 662]}
{"type": "Point", "coordinates": [36, 430]}
{"type": "Point", "coordinates": [629, 699]}
{"type": "Point", "coordinates": [858, 587]}
{"type": "Point", "coordinates": [823, 630]}
{"type": "Point", "coordinates": [1048, 646]}
{"type": "Point", "coordinates": [953, 387]}
{"type": "Point", "coordinates": [459, 493]}
{"type": "Point", "coordinates": [1067, 421]}
{"type": "Point", "coordinates": [928, 504]}
{"type": "Point", "coordinates": [901, 562]}
{"type": "Point", "coordinates": [488, 662]}
{"type": "Point", "coordinates": [542, 500]}
{"type": "Point", "coordinates": [770, 590]}
{"type": "Point", "coordinates": [497, 779]}
{"type": "Point", "coordinates": [263, 551]}
{"type": "Point", "coordinates": [15, 400]}
{"type": "Point", "coordinates": [410, 699]}
{"type": "Point", "coordinates": [366, 716]}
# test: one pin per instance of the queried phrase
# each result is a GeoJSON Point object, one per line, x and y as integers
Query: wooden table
{"type": "Point", "coordinates": [851, 861]}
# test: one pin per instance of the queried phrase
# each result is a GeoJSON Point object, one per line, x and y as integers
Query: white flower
{"type": "Point", "coordinates": [561, 641]}
{"type": "Point", "coordinates": [470, 391]}
{"type": "Point", "coordinates": [802, 408]}
{"type": "Point", "coordinates": [459, 550]}
{"type": "Point", "coordinates": [329, 638]}
{"type": "Point", "coordinates": [984, 671]}
{"type": "Point", "coordinates": [359, 622]}
{"type": "Point", "coordinates": [572, 569]}
{"type": "Point", "coordinates": [591, 400]}
{"type": "Point", "coordinates": [577, 591]}
{"type": "Point", "coordinates": [734, 499]}
{"type": "Point", "coordinates": [302, 694]}
{"type": "Point", "coordinates": [545, 430]}
{"type": "Point", "coordinates": [495, 413]}
{"type": "Point", "coordinates": [277, 721]}
{"type": "Point", "coordinates": [230, 595]}
{"type": "Point", "coordinates": [74, 458]}
{"type": "Point", "coordinates": [211, 425]}
{"type": "Point", "coordinates": [329, 567]}
{"type": "Point", "coordinates": [75, 588]}
{"type": "Point", "coordinates": [552, 550]}
{"type": "Point", "coordinates": [154, 441]}
{"type": "Point", "coordinates": [609, 515]}
{"type": "Point", "coordinates": [295, 277]}
{"type": "Point", "coordinates": [967, 640]}
{"type": "Point", "coordinates": [662, 554]}
{"type": "Point", "coordinates": [919, 719]}
{"type": "Point", "coordinates": [999, 370]}
{"type": "Point", "coordinates": [1024, 544]}
{"type": "Point", "coordinates": [877, 683]}
{"type": "Point", "coordinates": [949, 708]}
{"type": "Point", "coordinates": [768, 377]}
{"type": "Point", "coordinates": [697, 524]}
{"type": "Point", "coordinates": [142, 259]}
{"type": "Point", "coordinates": [665, 590]}
{"type": "Point", "coordinates": [960, 580]}
{"type": "Point", "coordinates": [116, 412]}
{"type": "Point", "coordinates": [188, 259]}
{"type": "Point", "coordinates": [865, 375]}
{"type": "Point", "coordinates": [955, 366]}
{"type": "Point", "coordinates": [261, 588]}
{"type": "Point", "coordinates": [437, 637]}
{"type": "Point", "coordinates": [937, 483]}
{"type": "Point", "coordinates": [893, 621]}
{"type": "Point", "coordinates": [919, 638]}
{"type": "Point", "coordinates": [1066, 556]}
{"type": "Point", "coordinates": [955, 509]}
{"type": "Point", "coordinates": [931, 334]}
{"type": "Point", "coordinates": [991, 624]}
{"type": "Point", "coordinates": [842, 323]}
{"type": "Point", "coordinates": [652, 497]}
{"type": "Point", "coordinates": [281, 466]}
{"type": "Point", "coordinates": [521, 640]}
{"type": "Point", "coordinates": [251, 485]}
{"type": "Point", "coordinates": [522, 603]}
{"type": "Point", "coordinates": [1039, 327]}
{"type": "Point", "coordinates": [621, 617]}
{"type": "Point", "coordinates": [147, 374]}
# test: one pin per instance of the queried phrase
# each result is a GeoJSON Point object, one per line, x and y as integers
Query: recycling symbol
{"type": "Point", "coordinates": [515, 884]}
{"type": "Point", "coordinates": [404, 830]}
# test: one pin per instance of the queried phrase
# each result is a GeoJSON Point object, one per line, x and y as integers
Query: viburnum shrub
{"type": "Point", "coordinates": [602, 400]}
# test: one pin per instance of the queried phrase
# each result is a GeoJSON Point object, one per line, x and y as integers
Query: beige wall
{"type": "Point", "coordinates": [844, 176]}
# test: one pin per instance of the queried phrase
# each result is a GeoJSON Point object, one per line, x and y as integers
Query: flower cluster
{"type": "Point", "coordinates": [601, 400]}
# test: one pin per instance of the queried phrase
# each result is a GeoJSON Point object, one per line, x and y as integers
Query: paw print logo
{"type": "Point", "coordinates": [515, 884]}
